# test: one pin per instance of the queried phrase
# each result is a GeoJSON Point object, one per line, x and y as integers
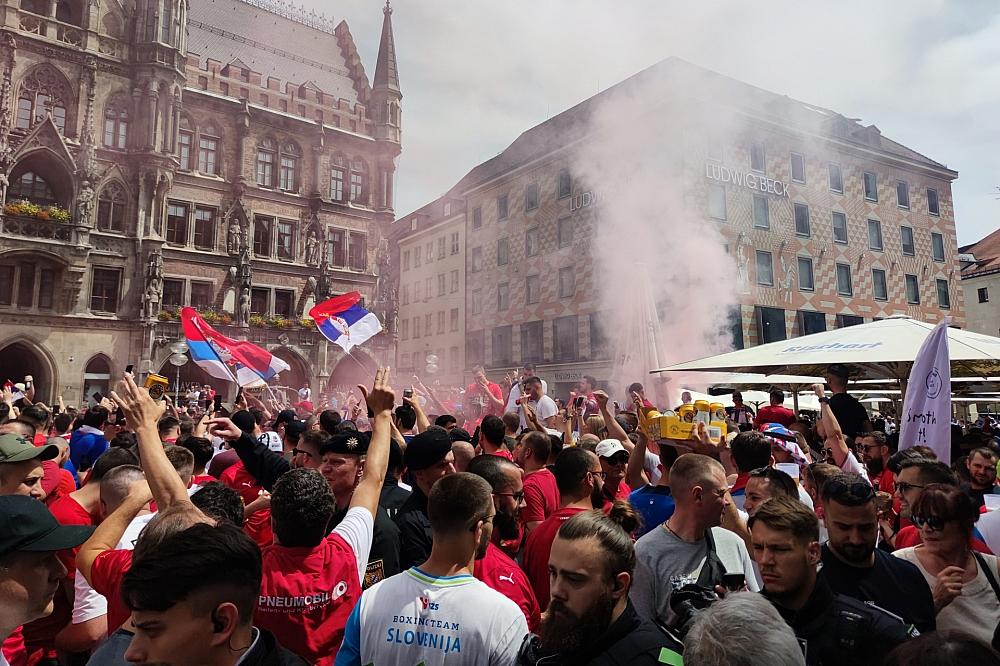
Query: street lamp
{"type": "Point", "coordinates": [178, 357]}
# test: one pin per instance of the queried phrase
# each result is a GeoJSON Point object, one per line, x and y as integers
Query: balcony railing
{"type": "Point", "coordinates": [65, 33]}
{"type": "Point", "coordinates": [16, 226]}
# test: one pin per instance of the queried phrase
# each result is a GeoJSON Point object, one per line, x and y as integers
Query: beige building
{"type": "Point", "coordinates": [981, 284]}
{"type": "Point", "coordinates": [431, 266]}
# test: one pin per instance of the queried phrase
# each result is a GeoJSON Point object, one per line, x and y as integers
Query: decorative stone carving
{"type": "Point", "coordinates": [154, 285]}
{"type": "Point", "coordinates": [244, 279]}
{"type": "Point", "coordinates": [312, 247]}
{"type": "Point", "coordinates": [85, 204]}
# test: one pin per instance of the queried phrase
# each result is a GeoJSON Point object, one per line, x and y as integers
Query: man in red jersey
{"type": "Point", "coordinates": [482, 397]}
{"type": "Point", "coordinates": [581, 486]}
{"type": "Point", "coordinates": [495, 568]}
{"type": "Point", "coordinates": [541, 495]}
{"type": "Point", "coordinates": [776, 412]}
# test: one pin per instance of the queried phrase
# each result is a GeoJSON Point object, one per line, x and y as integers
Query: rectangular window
{"type": "Point", "coordinates": [177, 224]}
{"type": "Point", "coordinates": [262, 230]}
{"type": "Point", "coordinates": [874, 235]}
{"type": "Point", "coordinates": [477, 217]}
{"type": "Point", "coordinates": [902, 194]}
{"type": "Point", "coordinates": [454, 281]}
{"type": "Point", "coordinates": [336, 248]}
{"type": "Point", "coordinates": [440, 320]}
{"type": "Point", "coordinates": [357, 250]}
{"type": "Point", "coordinates": [757, 161]}
{"type": "Point", "coordinates": [844, 286]}
{"type": "Point", "coordinates": [532, 289]}
{"type": "Point", "coordinates": [476, 301]}
{"type": "Point", "coordinates": [802, 227]}
{"type": "Point", "coordinates": [836, 178]}
{"type": "Point", "coordinates": [476, 259]}
{"type": "Point", "coordinates": [937, 246]}
{"type": "Point", "coordinates": [416, 291]}
{"type": "Point", "coordinates": [428, 322]}
{"type": "Point", "coordinates": [845, 320]}
{"type": "Point", "coordinates": [265, 168]}
{"type": "Point", "coordinates": [503, 296]}
{"type": "Point", "coordinates": [906, 240]}
{"type": "Point", "coordinates": [839, 221]}
{"type": "Point", "coordinates": [565, 183]}
{"type": "Point", "coordinates": [475, 348]}
{"type": "Point", "coordinates": [173, 293]}
{"type": "Point", "coordinates": [531, 342]}
{"type": "Point", "coordinates": [502, 207]}
{"type": "Point", "coordinates": [26, 286]}
{"type": "Point", "coordinates": [717, 202]}
{"type": "Point", "coordinates": [201, 295]}
{"type": "Point", "coordinates": [798, 168]}
{"type": "Point", "coordinates": [761, 212]}
{"type": "Point", "coordinates": [286, 173]}
{"type": "Point", "coordinates": [765, 270]}
{"type": "Point", "coordinates": [454, 243]}
{"type": "Point", "coordinates": [441, 250]}
{"type": "Point", "coordinates": [811, 322]}
{"type": "Point", "coordinates": [564, 231]}
{"type": "Point", "coordinates": [502, 347]}
{"type": "Point", "coordinates": [104, 289]}
{"type": "Point", "coordinates": [600, 344]}
{"type": "Point", "coordinates": [259, 301]}
{"type": "Point", "coordinates": [454, 319]}
{"type": "Point", "coordinates": [944, 296]}
{"type": "Point", "coordinates": [336, 182]}
{"type": "Point", "coordinates": [531, 242]}
{"type": "Point", "coordinates": [208, 152]}
{"type": "Point", "coordinates": [404, 294]}
{"type": "Point", "coordinates": [454, 359]}
{"type": "Point", "coordinates": [933, 206]}
{"type": "Point", "coordinates": [286, 240]}
{"type": "Point", "coordinates": [204, 228]}
{"type": "Point", "coordinates": [771, 324]}
{"type": "Point", "coordinates": [184, 150]}
{"type": "Point", "coordinates": [284, 303]}
{"type": "Point", "coordinates": [503, 251]}
{"type": "Point", "coordinates": [567, 282]}
{"type": "Point", "coordinates": [912, 289]}
{"type": "Point", "coordinates": [416, 256]}
{"type": "Point", "coordinates": [880, 288]}
{"type": "Point", "coordinates": [806, 280]}
{"type": "Point", "coordinates": [441, 288]}
{"type": "Point", "coordinates": [983, 293]}
{"type": "Point", "coordinates": [7, 285]}
{"type": "Point", "coordinates": [565, 338]}
{"type": "Point", "coordinates": [416, 327]}
{"type": "Point", "coordinates": [871, 186]}
{"type": "Point", "coordinates": [427, 288]}
{"type": "Point", "coordinates": [430, 252]}
{"type": "Point", "coordinates": [531, 197]}
{"type": "Point", "coordinates": [406, 260]}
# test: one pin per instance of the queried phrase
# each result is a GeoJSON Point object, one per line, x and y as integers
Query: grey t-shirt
{"type": "Point", "coordinates": [664, 563]}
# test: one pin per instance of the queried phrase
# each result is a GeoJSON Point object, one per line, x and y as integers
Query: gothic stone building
{"type": "Point", "coordinates": [230, 155]}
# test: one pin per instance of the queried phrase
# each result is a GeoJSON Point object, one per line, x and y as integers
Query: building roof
{"type": "Point", "coordinates": [698, 82]}
{"type": "Point", "coordinates": [986, 253]}
{"type": "Point", "coordinates": [295, 47]}
{"type": "Point", "coordinates": [386, 75]}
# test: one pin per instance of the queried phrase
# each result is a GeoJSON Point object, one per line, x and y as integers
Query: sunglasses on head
{"type": "Point", "coordinates": [933, 522]}
{"type": "Point", "coordinates": [858, 491]}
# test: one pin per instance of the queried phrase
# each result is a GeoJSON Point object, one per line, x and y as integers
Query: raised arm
{"type": "Point", "coordinates": [380, 401]}
{"type": "Point", "coordinates": [260, 462]}
{"type": "Point", "coordinates": [110, 531]}
{"type": "Point", "coordinates": [422, 422]}
{"type": "Point", "coordinates": [833, 435]}
{"type": "Point", "coordinates": [615, 430]}
{"type": "Point", "coordinates": [634, 475]}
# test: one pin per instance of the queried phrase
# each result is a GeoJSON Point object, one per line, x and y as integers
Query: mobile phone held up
{"type": "Point", "coordinates": [408, 393]}
{"type": "Point", "coordinates": [128, 369]}
{"type": "Point", "coordinates": [217, 403]}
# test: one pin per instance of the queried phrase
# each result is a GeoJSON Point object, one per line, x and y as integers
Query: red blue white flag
{"type": "Point", "coordinates": [344, 322]}
{"type": "Point", "coordinates": [225, 358]}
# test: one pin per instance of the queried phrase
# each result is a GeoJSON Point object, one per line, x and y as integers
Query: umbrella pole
{"type": "Point", "coordinates": [795, 402]}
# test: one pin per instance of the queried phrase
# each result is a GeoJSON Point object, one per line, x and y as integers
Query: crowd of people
{"type": "Point", "coordinates": [495, 524]}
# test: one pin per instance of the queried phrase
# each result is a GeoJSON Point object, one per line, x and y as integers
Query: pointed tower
{"type": "Point", "coordinates": [386, 113]}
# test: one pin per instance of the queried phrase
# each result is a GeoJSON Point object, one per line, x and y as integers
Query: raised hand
{"type": "Point", "coordinates": [140, 409]}
{"type": "Point", "coordinates": [224, 428]}
{"type": "Point", "coordinates": [602, 400]}
{"type": "Point", "coordinates": [381, 397]}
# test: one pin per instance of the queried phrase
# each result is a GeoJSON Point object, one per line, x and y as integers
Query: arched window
{"type": "Point", "coordinates": [115, 124]}
{"type": "Point", "coordinates": [267, 152]}
{"type": "Point", "coordinates": [359, 181]}
{"type": "Point", "coordinates": [208, 150]}
{"type": "Point", "coordinates": [33, 187]}
{"type": "Point", "coordinates": [112, 25]}
{"type": "Point", "coordinates": [337, 176]}
{"type": "Point", "coordinates": [70, 11]}
{"type": "Point", "coordinates": [288, 171]}
{"type": "Point", "coordinates": [43, 92]}
{"type": "Point", "coordinates": [111, 208]}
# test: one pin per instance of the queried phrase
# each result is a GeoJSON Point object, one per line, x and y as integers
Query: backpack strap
{"type": "Point", "coordinates": [713, 569]}
{"type": "Point", "coordinates": [990, 578]}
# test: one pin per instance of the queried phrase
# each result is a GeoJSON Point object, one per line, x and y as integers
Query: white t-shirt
{"type": "Point", "coordinates": [271, 440]}
{"type": "Point", "coordinates": [305, 393]}
{"type": "Point", "coordinates": [545, 408]}
{"type": "Point", "coordinates": [413, 618]}
{"type": "Point", "coordinates": [515, 393]}
{"type": "Point", "coordinates": [87, 603]}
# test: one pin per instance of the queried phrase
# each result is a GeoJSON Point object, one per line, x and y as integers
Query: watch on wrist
{"type": "Point", "coordinates": [824, 400]}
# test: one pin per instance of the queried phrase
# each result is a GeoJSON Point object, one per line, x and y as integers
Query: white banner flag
{"type": "Point", "coordinates": [926, 418]}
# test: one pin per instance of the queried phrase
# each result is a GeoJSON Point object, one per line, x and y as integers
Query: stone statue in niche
{"type": "Point", "coordinates": [234, 236]}
{"type": "Point", "coordinates": [312, 248]}
{"type": "Point", "coordinates": [154, 285]}
{"type": "Point", "coordinates": [323, 282]}
{"type": "Point", "coordinates": [85, 204]}
{"type": "Point", "coordinates": [788, 276]}
{"type": "Point", "coordinates": [244, 279]}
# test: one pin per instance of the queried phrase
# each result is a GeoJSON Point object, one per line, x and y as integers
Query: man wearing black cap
{"type": "Point", "coordinates": [851, 414]}
{"type": "Point", "coordinates": [30, 572]}
{"type": "Point", "coordinates": [429, 457]}
{"type": "Point", "coordinates": [21, 465]}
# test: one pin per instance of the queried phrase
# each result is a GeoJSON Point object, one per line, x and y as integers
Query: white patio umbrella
{"type": "Point", "coordinates": [879, 350]}
{"type": "Point", "coordinates": [720, 383]}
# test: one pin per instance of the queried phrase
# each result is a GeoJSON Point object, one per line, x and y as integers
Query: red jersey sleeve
{"type": "Point", "coordinates": [106, 577]}
{"type": "Point", "coordinates": [534, 502]}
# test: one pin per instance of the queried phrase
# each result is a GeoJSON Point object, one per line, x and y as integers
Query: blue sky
{"type": "Point", "coordinates": [476, 74]}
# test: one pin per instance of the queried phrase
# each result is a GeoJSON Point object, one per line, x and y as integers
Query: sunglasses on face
{"type": "Point", "coordinates": [933, 522]}
{"type": "Point", "coordinates": [618, 460]}
{"type": "Point", "coordinates": [517, 497]}
{"type": "Point", "coordinates": [297, 452]}
{"type": "Point", "coordinates": [903, 486]}
{"type": "Point", "coordinates": [603, 475]}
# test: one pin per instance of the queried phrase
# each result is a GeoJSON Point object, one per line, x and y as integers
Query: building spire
{"type": "Point", "coordinates": [386, 76]}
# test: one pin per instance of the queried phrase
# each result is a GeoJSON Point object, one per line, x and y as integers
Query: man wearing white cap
{"type": "Point", "coordinates": [614, 460]}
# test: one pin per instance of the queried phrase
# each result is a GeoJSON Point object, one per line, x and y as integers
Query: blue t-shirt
{"type": "Point", "coordinates": [654, 503]}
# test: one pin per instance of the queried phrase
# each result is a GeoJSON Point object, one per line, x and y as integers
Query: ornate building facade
{"type": "Point", "coordinates": [231, 155]}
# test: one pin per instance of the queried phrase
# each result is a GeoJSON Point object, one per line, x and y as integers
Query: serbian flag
{"type": "Point", "coordinates": [224, 358]}
{"type": "Point", "coordinates": [342, 321]}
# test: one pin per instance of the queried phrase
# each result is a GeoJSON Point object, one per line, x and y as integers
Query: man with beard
{"type": "Point", "coordinates": [580, 480]}
{"type": "Point", "coordinates": [914, 476]}
{"type": "Point", "coordinates": [437, 612]}
{"type": "Point", "coordinates": [689, 547]}
{"type": "Point", "coordinates": [852, 565]}
{"type": "Point", "coordinates": [495, 568]}
{"type": "Point", "coordinates": [982, 466]}
{"type": "Point", "coordinates": [875, 455]}
{"type": "Point", "coordinates": [832, 628]}
{"type": "Point", "coordinates": [590, 619]}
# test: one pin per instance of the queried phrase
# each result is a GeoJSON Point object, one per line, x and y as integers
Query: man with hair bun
{"type": "Point", "coordinates": [590, 618]}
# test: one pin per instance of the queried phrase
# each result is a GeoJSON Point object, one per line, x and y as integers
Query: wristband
{"type": "Point", "coordinates": [824, 400]}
